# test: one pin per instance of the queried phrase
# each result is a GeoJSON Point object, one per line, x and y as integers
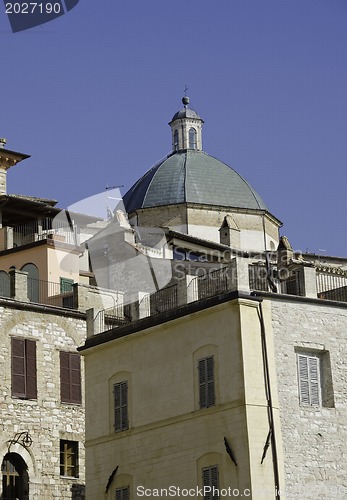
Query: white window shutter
{"type": "Point", "coordinates": [315, 392]}
{"type": "Point", "coordinates": [309, 379]}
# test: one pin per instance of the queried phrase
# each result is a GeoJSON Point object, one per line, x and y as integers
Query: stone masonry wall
{"type": "Point", "coordinates": [314, 437]}
{"type": "Point", "coordinates": [46, 419]}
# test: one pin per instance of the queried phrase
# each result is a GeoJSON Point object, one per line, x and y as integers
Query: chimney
{"type": "Point", "coordinates": [7, 160]}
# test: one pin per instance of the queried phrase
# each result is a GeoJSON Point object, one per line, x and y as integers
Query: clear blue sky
{"type": "Point", "coordinates": [90, 94]}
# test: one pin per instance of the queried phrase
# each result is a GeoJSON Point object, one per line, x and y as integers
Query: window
{"type": "Point", "coordinates": [68, 458]}
{"type": "Point", "coordinates": [70, 378]}
{"type": "Point", "coordinates": [206, 382]}
{"type": "Point", "coordinates": [192, 138]}
{"type": "Point", "coordinates": [210, 482]}
{"type": "Point", "coordinates": [4, 284]}
{"type": "Point", "coordinates": [24, 383]}
{"type": "Point", "coordinates": [120, 392]}
{"type": "Point", "coordinates": [123, 493]}
{"type": "Point", "coordinates": [66, 285]}
{"type": "Point", "coordinates": [309, 379]}
{"type": "Point", "coordinates": [176, 140]}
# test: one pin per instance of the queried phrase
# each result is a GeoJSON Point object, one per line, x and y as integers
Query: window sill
{"type": "Point", "coordinates": [71, 478]}
{"type": "Point", "coordinates": [20, 400]}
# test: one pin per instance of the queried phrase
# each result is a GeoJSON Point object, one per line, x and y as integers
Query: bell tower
{"type": "Point", "coordinates": [186, 127]}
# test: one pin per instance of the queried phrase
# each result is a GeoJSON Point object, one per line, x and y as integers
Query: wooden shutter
{"type": "Point", "coordinates": [70, 378]}
{"type": "Point", "coordinates": [315, 392]}
{"type": "Point", "coordinates": [122, 493]}
{"type": "Point", "coordinates": [210, 479]}
{"type": "Point", "coordinates": [31, 369]}
{"type": "Point", "coordinates": [75, 378]}
{"type": "Point", "coordinates": [120, 391]}
{"type": "Point", "coordinates": [24, 379]}
{"type": "Point", "coordinates": [206, 382]}
{"type": "Point", "coordinates": [309, 379]}
{"type": "Point", "coordinates": [18, 367]}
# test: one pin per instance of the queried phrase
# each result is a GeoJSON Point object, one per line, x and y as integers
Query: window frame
{"type": "Point", "coordinates": [70, 383]}
{"type": "Point", "coordinates": [65, 446]}
{"type": "Point", "coordinates": [28, 367]}
{"type": "Point", "coordinates": [309, 367]}
{"type": "Point", "coordinates": [121, 409]}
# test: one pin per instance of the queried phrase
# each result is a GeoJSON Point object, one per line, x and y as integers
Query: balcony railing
{"type": "Point", "coordinates": [45, 229]}
{"type": "Point", "coordinates": [49, 293]}
{"type": "Point", "coordinates": [331, 286]}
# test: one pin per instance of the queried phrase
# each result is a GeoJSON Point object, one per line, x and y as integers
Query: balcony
{"type": "Point", "coordinates": [43, 229]}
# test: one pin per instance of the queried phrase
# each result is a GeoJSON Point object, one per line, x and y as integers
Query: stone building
{"type": "Point", "coordinates": [229, 381]}
{"type": "Point", "coordinates": [44, 293]}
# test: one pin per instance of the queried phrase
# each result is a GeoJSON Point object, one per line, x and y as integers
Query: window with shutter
{"type": "Point", "coordinates": [123, 493]}
{"type": "Point", "coordinates": [120, 391]}
{"type": "Point", "coordinates": [23, 366]}
{"type": "Point", "coordinates": [309, 379]}
{"type": "Point", "coordinates": [206, 382]}
{"type": "Point", "coordinates": [210, 482]}
{"type": "Point", "coordinates": [70, 378]}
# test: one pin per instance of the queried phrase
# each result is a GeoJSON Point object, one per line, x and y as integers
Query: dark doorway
{"type": "Point", "coordinates": [15, 478]}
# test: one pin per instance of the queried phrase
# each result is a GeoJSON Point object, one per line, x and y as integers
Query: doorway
{"type": "Point", "coordinates": [15, 478]}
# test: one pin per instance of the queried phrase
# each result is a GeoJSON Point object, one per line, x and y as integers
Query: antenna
{"type": "Point", "coordinates": [185, 90]}
{"type": "Point", "coordinates": [113, 187]}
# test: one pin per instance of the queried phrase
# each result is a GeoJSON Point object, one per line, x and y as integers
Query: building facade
{"type": "Point", "coordinates": [44, 294]}
{"type": "Point", "coordinates": [230, 380]}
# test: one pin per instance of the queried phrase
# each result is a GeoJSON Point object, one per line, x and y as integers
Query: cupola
{"type": "Point", "coordinates": [186, 127]}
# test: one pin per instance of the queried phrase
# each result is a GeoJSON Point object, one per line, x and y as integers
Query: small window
{"type": "Point", "coordinates": [192, 138]}
{"type": "Point", "coordinates": [4, 284]}
{"type": "Point", "coordinates": [23, 365]}
{"type": "Point", "coordinates": [70, 378]}
{"type": "Point", "coordinates": [66, 285]}
{"type": "Point", "coordinates": [309, 374]}
{"type": "Point", "coordinates": [210, 482]}
{"type": "Point", "coordinates": [120, 392]}
{"type": "Point", "coordinates": [69, 458]}
{"type": "Point", "coordinates": [176, 140]}
{"type": "Point", "coordinates": [123, 493]}
{"type": "Point", "coordinates": [206, 382]}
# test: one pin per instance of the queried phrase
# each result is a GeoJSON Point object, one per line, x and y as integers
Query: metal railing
{"type": "Point", "coordinates": [331, 286]}
{"type": "Point", "coordinates": [213, 283]}
{"type": "Point", "coordinates": [266, 279]}
{"type": "Point", "coordinates": [45, 229]}
{"type": "Point", "coordinates": [49, 293]}
{"type": "Point", "coordinates": [261, 278]}
{"type": "Point", "coordinates": [164, 300]}
{"type": "Point", "coordinates": [107, 319]}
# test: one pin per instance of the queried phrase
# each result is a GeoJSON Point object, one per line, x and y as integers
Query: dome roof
{"type": "Point", "coordinates": [186, 113]}
{"type": "Point", "coordinates": [192, 177]}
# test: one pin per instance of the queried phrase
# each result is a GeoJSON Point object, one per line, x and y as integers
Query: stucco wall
{"type": "Point", "coordinates": [169, 436]}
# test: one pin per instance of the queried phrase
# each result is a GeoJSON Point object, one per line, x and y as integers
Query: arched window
{"type": "Point", "coordinates": [33, 281]}
{"type": "Point", "coordinates": [176, 140]}
{"type": "Point", "coordinates": [192, 138]}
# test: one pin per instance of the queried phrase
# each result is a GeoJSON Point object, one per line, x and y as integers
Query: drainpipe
{"type": "Point", "coordinates": [269, 402]}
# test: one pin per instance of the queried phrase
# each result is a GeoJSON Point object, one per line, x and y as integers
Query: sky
{"type": "Point", "coordinates": [90, 94]}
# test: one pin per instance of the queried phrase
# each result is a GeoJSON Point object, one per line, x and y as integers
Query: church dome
{"type": "Point", "coordinates": [192, 177]}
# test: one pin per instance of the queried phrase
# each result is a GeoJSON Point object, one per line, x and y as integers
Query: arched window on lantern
{"type": "Point", "coordinates": [192, 138]}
